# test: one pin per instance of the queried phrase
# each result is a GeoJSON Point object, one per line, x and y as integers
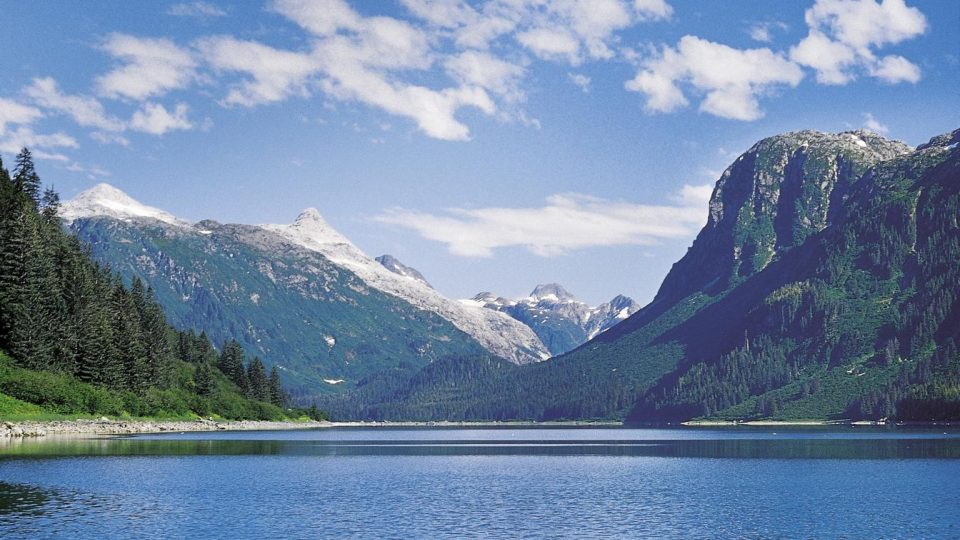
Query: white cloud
{"type": "Point", "coordinates": [432, 110]}
{"type": "Point", "coordinates": [359, 59]}
{"type": "Point", "coordinates": [151, 67]}
{"type": "Point", "coordinates": [109, 138]}
{"type": "Point", "coordinates": [320, 18]}
{"type": "Point", "coordinates": [155, 119]}
{"type": "Point", "coordinates": [378, 60]}
{"type": "Point", "coordinates": [695, 196]}
{"type": "Point", "coordinates": [551, 43]}
{"type": "Point", "coordinates": [13, 141]}
{"type": "Point", "coordinates": [12, 112]}
{"type": "Point", "coordinates": [482, 69]}
{"type": "Point", "coordinates": [895, 69]}
{"type": "Point", "coordinates": [731, 79]}
{"type": "Point", "coordinates": [571, 30]}
{"type": "Point", "coordinates": [442, 13]}
{"type": "Point", "coordinates": [275, 74]}
{"type": "Point", "coordinates": [195, 9]}
{"type": "Point", "coordinates": [844, 36]}
{"type": "Point", "coordinates": [872, 124]}
{"type": "Point", "coordinates": [86, 111]}
{"type": "Point", "coordinates": [582, 81]}
{"type": "Point", "coordinates": [651, 10]}
{"type": "Point", "coordinates": [567, 222]}
{"type": "Point", "coordinates": [763, 31]}
{"type": "Point", "coordinates": [92, 172]}
{"type": "Point", "coordinates": [830, 59]}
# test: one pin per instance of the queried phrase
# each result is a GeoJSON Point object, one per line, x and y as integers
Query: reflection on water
{"type": "Point", "coordinates": [16, 499]}
{"type": "Point", "coordinates": [765, 448]}
{"type": "Point", "coordinates": [508, 483]}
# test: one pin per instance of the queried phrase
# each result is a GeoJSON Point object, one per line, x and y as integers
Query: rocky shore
{"type": "Point", "coordinates": [105, 426]}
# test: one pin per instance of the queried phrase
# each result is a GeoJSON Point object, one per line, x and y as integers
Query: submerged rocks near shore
{"type": "Point", "coordinates": [105, 426]}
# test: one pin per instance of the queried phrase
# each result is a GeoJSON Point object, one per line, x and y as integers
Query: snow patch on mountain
{"type": "Point", "coordinates": [392, 264]}
{"type": "Point", "coordinates": [108, 201]}
{"type": "Point", "coordinates": [497, 332]}
{"type": "Point", "coordinates": [560, 320]}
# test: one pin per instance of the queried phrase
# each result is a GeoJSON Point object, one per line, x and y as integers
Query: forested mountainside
{"type": "Point", "coordinates": [319, 324]}
{"type": "Point", "coordinates": [824, 285]}
{"type": "Point", "coordinates": [300, 296]}
{"type": "Point", "coordinates": [75, 339]}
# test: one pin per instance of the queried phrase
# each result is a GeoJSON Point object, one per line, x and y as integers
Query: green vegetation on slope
{"type": "Point", "coordinates": [290, 306]}
{"type": "Point", "coordinates": [80, 342]}
{"type": "Point", "coordinates": [824, 286]}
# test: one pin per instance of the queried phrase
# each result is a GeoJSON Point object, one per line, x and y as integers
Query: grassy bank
{"type": "Point", "coordinates": [29, 395]}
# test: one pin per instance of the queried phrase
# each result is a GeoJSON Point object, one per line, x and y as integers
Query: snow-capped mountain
{"type": "Point", "coordinates": [210, 244]}
{"type": "Point", "coordinates": [496, 332]}
{"type": "Point", "coordinates": [392, 264]}
{"type": "Point", "coordinates": [560, 320]}
{"type": "Point", "coordinates": [108, 201]}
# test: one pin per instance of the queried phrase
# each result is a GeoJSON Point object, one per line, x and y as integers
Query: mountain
{"type": "Point", "coordinates": [392, 264]}
{"type": "Point", "coordinates": [825, 285]}
{"type": "Point", "coordinates": [301, 296]}
{"type": "Point", "coordinates": [560, 320]}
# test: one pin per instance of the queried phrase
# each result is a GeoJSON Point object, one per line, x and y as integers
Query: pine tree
{"type": "Point", "coordinates": [231, 364]}
{"type": "Point", "coordinates": [25, 176]}
{"type": "Point", "coordinates": [203, 379]}
{"type": "Point", "coordinates": [50, 204]}
{"type": "Point", "coordinates": [127, 340]}
{"type": "Point", "coordinates": [257, 380]}
{"type": "Point", "coordinates": [277, 396]}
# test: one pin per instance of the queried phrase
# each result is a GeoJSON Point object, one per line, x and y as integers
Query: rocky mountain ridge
{"type": "Point", "coordinates": [562, 322]}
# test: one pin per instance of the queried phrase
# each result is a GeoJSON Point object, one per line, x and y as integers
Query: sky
{"type": "Point", "coordinates": [492, 145]}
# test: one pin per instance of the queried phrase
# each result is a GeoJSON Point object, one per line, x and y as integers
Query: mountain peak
{"type": "Point", "coordinates": [108, 201]}
{"type": "Point", "coordinates": [310, 226]}
{"type": "Point", "coordinates": [782, 190]}
{"type": "Point", "coordinates": [551, 292]}
{"type": "Point", "coordinates": [310, 215]}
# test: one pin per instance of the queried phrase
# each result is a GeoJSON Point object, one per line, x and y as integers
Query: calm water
{"type": "Point", "coordinates": [504, 482]}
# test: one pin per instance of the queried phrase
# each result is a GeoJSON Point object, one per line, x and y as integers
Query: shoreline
{"type": "Point", "coordinates": [104, 426]}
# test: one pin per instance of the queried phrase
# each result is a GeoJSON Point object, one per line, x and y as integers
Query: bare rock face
{"type": "Point", "coordinates": [782, 190]}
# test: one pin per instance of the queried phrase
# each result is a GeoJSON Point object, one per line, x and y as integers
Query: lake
{"type": "Point", "coordinates": [507, 482]}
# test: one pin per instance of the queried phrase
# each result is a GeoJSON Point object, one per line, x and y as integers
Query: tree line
{"type": "Point", "coordinates": [62, 312]}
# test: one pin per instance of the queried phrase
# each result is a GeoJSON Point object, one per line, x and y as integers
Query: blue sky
{"type": "Point", "coordinates": [492, 145]}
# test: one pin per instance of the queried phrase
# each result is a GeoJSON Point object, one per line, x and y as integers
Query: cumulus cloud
{"type": "Point", "coordinates": [150, 67]}
{"type": "Point", "coordinates": [13, 113]}
{"type": "Point", "coordinates": [196, 9]}
{"type": "Point", "coordinates": [567, 222]}
{"type": "Point", "coordinates": [379, 60]}
{"type": "Point", "coordinates": [844, 36]}
{"type": "Point", "coordinates": [895, 69]}
{"type": "Point", "coordinates": [86, 111]}
{"type": "Point", "coordinates": [155, 119]}
{"type": "Point", "coordinates": [730, 79]}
